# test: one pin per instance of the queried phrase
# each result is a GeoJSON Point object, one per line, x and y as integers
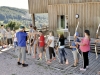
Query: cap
{"type": "Point", "coordinates": [22, 27]}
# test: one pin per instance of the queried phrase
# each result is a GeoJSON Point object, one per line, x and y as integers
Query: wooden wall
{"type": "Point", "coordinates": [38, 6]}
{"type": "Point", "coordinates": [51, 2]}
{"type": "Point", "coordinates": [82, 1]}
{"type": "Point", "coordinates": [89, 16]}
{"type": "Point", "coordinates": [53, 11]}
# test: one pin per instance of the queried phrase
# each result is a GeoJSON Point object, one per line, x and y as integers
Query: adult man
{"type": "Point", "coordinates": [3, 35]}
{"type": "Point", "coordinates": [21, 38]}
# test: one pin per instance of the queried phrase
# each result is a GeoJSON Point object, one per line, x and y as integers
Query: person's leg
{"type": "Point", "coordinates": [53, 52]}
{"type": "Point", "coordinates": [41, 52]}
{"type": "Point", "coordinates": [50, 55]}
{"type": "Point", "coordinates": [84, 62]}
{"type": "Point", "coordinates": [23, 50]}
{"type": "Point", "coordinates": [60, 55]}
{"type": "Point", "coordinates": [35, 47]}
{"type": "Point", "coordinates": [19, 55]}
{"type": "Point", "coordinates": [87, 59]}
{"type": "Point", "coordinates": [75, 58]}
{"type": "Point", "coordinates": [65, 56]}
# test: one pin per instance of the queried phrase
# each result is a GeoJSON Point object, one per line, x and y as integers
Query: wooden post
{"type": "Point", "coordinates": [33, 19]}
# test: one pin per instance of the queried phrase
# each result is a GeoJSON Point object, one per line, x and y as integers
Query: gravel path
{"type": "Point", "coordinates": [8, 66]}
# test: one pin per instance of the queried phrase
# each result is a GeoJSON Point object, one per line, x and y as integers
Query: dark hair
{"type": "Point", "coordinates": [41, 31]}
{"type": "Point", "coordinates": [34, 28]}
{"type": "Point", "coordinates": [31, 25]}
{"type": "Point", "coordinates": [61, 36]}
{"type": "Point", "coordinates": [2, 25]}
{"type": "Point", "coordinates": [87, 32]}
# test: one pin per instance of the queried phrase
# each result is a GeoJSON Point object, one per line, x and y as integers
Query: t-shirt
{"type": "Point", "coordinates": [52, 43]}
{"type": "Point", "coordinates": [15, 38]}
{"type": "Point", "coordinates": [9, 34]}
{"type": "Point", "coordinates": [42, 41]}
{"type": "Point", "coordinates": [21, 38]}
{"type": "Point", "coordinates": [3, 32]}
{"type": "Point", "coordinates": [73, 43]}
{"type": "Point", "coordinates": [86, 47]}
{"type": "Point", "coordinates": [61, 42]}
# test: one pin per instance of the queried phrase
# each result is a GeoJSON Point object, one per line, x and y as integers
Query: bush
{"type": "Point", "coordinates": [13, 25]}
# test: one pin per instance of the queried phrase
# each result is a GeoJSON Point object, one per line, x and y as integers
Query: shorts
{"type": "Point", "coordinates": [9, 41]}
{"type": "Point", "coordinates": [42, 49]}
{"type": "Point", "coordinates": [75, 54]}
{"type": "Point", "coordinates": [22, 53]}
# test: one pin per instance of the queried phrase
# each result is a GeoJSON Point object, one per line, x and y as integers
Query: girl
{"type": "Point", "coordinates": [50, 44]}
{"type": "Point", "coordinates": [61, 49]}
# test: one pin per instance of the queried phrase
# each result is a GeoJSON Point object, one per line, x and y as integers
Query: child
{"type": "Point", "coordinates": [74, 50]}
{"type": "Point", "coordinates": [41, 45]}
{"type": "Point", "coordinates": [9, 37]}
{"type": "Point", "coordinates": [15, 41]}
{"type": "Point", "coordinates": [61, 50]}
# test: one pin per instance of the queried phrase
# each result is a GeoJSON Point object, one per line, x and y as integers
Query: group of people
{"type": "Point", "coordinates": [39, 44]}
{"type": "Point", "coordinates": [6, 37]}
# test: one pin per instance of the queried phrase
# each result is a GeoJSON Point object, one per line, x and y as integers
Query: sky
{"type": "Point", "coordinates": [23, 4]}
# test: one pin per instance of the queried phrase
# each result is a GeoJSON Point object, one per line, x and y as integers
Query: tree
{"type": "Point", "coordinates": [13, 25]}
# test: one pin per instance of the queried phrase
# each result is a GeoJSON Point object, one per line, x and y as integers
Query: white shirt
{"type": "Point", "coordinates": [52, 43]}
{"type": "Point", "coordinates": [15, 38]}
{"type": "Point", "coordinates": [9, 35]}
{"type": "Point", "coordinates": [3, 32]}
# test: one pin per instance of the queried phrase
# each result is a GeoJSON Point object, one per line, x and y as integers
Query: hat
{"type": "Point", "coordinates": [76, 34]}
{"type": "Point", "coordinates": [22, 27]}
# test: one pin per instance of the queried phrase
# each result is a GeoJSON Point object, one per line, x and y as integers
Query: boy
{"type": "Point", "coordinates": [74, 49]}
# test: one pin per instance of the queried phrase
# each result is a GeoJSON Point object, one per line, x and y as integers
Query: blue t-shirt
{"type": "Point", "coordinates": [21, 38]}
{"type": "Point", "coordinates": [73, 43]}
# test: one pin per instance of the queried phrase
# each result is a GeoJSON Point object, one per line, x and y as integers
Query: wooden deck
{"type": "Point", "coordinates": [94, 66]}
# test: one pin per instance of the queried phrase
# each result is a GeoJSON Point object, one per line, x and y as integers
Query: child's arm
{"type": "Point", "coordinates": [72, 46]}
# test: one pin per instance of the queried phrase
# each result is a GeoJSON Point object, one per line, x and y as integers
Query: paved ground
{"type": "Point", "coordinates": [8, 65]}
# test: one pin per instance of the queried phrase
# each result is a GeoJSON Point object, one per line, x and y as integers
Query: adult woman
{"type": "Point", "coordinates": [62, 52]}
{"type": "Point", "coordinates": [85, 48]}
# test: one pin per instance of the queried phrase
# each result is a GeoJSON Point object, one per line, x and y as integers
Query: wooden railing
{"type": "Point", "coordinates": [44, 28]}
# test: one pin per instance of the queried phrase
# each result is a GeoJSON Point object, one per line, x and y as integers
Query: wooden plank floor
{"type": "Point", "coordinates": [94, 66]}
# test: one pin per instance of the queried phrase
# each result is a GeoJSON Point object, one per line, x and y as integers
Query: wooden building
{"type": "Point", "coordinates": [62, 12]}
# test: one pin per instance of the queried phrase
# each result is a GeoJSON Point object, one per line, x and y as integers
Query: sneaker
{"type": "Point", "coordinates": [24, 65]}
{"type": "Point", "coordinates": [82, 69]}
{"type": "Point", "coordinates": [39, 59]}
{"type": "Point", "coordinates": [87, 67]}
{"type": "Point", "coordinates": [26, 51]}
{"type": "Point", "coordinates": [73, 66]}
{"type": "Point", "coordinates": [19, 63]}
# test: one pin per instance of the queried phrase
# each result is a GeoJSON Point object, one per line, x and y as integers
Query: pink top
{"type": "Point", "coordinates": [86, 47]}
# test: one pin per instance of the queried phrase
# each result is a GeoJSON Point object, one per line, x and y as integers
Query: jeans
{"type": "Point", "coordinates": [15, 44]}
{"type": "Point", "coordinates": [62, 54]}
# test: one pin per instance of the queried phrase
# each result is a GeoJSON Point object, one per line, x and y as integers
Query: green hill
{"type": "Point", "coordinates": [21, 15]}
